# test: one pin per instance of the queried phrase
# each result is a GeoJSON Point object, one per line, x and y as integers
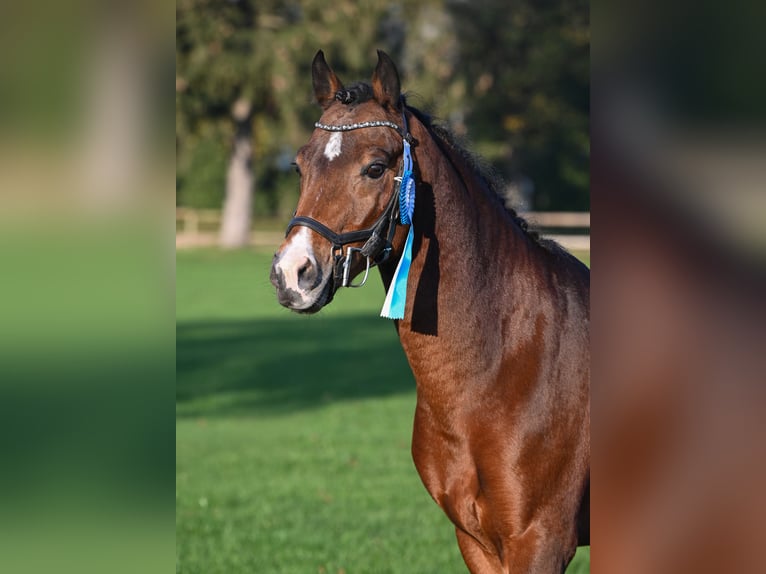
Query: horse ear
{"type": "Point", "coordinates": [326, 83]}
{"type": "Point", "coordinates": [385, 81]}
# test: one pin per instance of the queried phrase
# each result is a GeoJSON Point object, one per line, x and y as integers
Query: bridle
{"type": "Point", "coordinates": [378, 238]}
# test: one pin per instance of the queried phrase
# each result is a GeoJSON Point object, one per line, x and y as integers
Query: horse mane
{"type": "Point", "coordinates": [479, 167]}
{"type": "Point", "coordinates": [361, 92]}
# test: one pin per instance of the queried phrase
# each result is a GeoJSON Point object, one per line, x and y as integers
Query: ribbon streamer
{"type": "Point", "coordinates": [393, 306]}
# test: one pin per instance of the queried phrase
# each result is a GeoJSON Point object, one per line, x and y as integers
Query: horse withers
{"type": "Point", "coordinates": [494, 320]}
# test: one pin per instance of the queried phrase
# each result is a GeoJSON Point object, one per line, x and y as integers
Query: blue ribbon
{"type": "Point", "coordinates": [393, 306]}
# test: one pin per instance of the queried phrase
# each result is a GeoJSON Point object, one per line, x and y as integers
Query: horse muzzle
{"type": "Point", "coordinates": [302, 283]}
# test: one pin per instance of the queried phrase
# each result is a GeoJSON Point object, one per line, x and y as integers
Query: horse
{"type": "Point", "coordinates": [494, 320]}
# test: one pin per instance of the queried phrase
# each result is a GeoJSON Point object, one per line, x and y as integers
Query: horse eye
{"type": "Point", "coordinates": [296, 168]}
{"type": "Point", "coordinates": [375, 170]}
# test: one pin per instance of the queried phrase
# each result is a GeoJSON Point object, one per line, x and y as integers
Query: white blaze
{"type": "Point", "coordinates": [332, 149]}
{"type": "Point", "coordinates": [294, 256]}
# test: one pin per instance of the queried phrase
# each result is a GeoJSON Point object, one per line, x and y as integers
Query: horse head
{"type": "Point", "coordinates": [346, 218]}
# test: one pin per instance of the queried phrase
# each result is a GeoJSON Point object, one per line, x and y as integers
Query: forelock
{"type": "Point", "coordinates": [354, 94]}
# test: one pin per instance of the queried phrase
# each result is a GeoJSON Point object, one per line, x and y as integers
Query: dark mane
{"type": "Point", "coordinates": [361, 92]}
{"type": "Point", "coordinates": [484, 171]}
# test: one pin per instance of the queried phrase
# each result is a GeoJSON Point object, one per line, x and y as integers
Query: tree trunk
{"type": "Point", "coordinates": [238, 203]}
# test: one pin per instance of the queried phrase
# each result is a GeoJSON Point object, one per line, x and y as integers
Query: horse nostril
{"type": "Point", "coordinates": [307, 275]}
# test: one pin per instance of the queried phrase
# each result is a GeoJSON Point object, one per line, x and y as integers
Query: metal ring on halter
{"type": "Point", "coordinates": [347, 269]}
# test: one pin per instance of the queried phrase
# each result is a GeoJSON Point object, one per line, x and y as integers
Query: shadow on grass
{"type": "Point", "coordinates": [275, 366]}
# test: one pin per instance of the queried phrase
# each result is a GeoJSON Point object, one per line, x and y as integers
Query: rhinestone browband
{"type": "Point", "coordinates": [349, 127]}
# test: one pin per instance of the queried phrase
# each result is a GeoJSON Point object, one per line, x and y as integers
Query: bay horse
{"type": "Point", "coordinates": [495, 320]}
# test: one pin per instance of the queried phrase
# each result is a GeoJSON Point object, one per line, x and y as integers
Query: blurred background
{"type": "Point", "coordinates": [515, 82]}
{"type": "Point", "coordinates": [679, 315]}
{"type": "Point", "coordinates": [87, 282]}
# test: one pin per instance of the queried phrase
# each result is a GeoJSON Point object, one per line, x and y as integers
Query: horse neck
{"type": "Point", "coordinates": [473, 268]}
{"type": "Point", "coordinates": [477, 237]}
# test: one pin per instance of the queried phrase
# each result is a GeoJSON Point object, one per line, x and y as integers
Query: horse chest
{"type": "Point", "coordinates": [457, 468]}
{"type": "Point", "coordinates": [444, 462]}
{"type": "Point", "coordinates": [452, 401]}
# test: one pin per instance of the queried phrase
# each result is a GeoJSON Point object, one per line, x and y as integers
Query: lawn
{"type": "Point", "coordinates": [293, 433]}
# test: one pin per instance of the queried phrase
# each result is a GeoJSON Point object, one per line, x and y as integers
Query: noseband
{"type": "Point", "coordinates": [377, 238]}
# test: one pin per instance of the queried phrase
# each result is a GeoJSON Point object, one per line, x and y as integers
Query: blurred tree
{"type": "Point", "coordinates": [513, 75]}
{"type": "Point", "coordinates": [213, 65]}
{"type": "Point", "coordinates": [526, 66]}
{"type": "Point", "coordinates": [237, 205]}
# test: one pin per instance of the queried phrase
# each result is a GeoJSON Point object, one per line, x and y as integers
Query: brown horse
{"type": "Point", "coordinates": [495, 323]}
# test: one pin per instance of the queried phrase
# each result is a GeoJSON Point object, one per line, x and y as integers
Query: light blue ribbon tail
{"type": "Point", "coordinates": [393, 306]}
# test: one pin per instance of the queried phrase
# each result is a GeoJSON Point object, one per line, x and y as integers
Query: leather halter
{"type": "Point", "coordinates": [378, 237]}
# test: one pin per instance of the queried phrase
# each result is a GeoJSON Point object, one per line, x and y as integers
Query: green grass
{"type": "Point", "coordinates": [293, 433]}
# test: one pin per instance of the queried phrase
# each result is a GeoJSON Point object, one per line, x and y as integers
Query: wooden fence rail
{"type": "Point", "coordinates": [561, 225]}
{"type": "Point", "coordinates": [199, 227]}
